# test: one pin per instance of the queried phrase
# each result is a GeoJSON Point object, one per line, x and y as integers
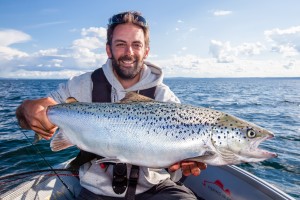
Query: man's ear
{"type": "Point", "coordinates": [146, 52]}
{"type": "Point", "coordinates": [108, 51]}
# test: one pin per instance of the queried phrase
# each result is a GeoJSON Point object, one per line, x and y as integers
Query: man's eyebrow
{"type": "Point", "coordinates": [137, 41]}
{"type": "Point", "coordinates": [119, 41]}
{"type": "Point", "coordinates": [123, 41]}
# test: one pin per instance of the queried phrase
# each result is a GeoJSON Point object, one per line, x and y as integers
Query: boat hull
{"type": "Point", "coordinates": [216, 182]}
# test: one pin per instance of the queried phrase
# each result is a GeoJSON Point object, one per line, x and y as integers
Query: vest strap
{"type": "Point", "coordinates": [132, 183]}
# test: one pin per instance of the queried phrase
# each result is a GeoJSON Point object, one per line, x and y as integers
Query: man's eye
{"type": "Point", "coordinates": [120, 45]}
{"type": "Point", "coordinates": [136, 46]}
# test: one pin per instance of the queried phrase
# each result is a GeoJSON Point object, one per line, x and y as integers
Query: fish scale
{"type": "Point", "coordinates": [156, 134]}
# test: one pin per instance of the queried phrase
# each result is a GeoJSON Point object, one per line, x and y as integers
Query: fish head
{"type": "Point", "coordinates": [237, 141]}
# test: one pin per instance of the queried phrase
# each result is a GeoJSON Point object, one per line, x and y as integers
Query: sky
{"type": "Point", "coordinates": [188, 38]}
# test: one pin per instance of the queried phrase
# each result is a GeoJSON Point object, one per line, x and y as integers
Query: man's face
{"type": "Point", "coordinates": [127, 50]}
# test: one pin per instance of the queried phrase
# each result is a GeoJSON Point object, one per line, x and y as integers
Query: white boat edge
{"type": "Point", "coordinates": [232, 182]}
{"type": "Point", "coordinates": [223, 182]}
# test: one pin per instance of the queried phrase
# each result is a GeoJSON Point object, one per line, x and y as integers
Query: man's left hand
{"type": "Point", "coordinates": [188, 167]}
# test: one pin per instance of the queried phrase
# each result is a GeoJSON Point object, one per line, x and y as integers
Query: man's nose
{"type": "Point", "coordinates": [128, 50]}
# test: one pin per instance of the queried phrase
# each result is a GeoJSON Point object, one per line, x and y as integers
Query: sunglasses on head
{"type": "Point", "coordinates": [119, 19]}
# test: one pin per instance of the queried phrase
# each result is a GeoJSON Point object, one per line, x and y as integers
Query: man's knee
{"type": "Point", "coordinates": [170, 190]}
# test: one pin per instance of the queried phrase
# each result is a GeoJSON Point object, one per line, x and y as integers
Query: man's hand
{"type": "Point", "coordinates": [31, 114]}
{"type": "Point", "coordinates": [188, 167]}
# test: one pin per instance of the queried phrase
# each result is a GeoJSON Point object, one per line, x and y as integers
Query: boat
{"type": "Point", "coordinates": [216, 182]}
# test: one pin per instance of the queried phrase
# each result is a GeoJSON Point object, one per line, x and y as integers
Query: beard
{"type": "Point", "coordinates": [127, 73]}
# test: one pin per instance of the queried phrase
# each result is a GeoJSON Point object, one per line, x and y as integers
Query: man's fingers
{"type": "Point", "coordinates": [189, 167]}
{"type": "Point", "coordinates": [186, 171]}
{"type": "Point", "coordinates": [174, 167]}
{"type": "Point", "coordinates": [201, 166]}
{"type": "Point", "coordinates": [194, 168]}
{"type": "Point", "coordinates": [195, 171]}
{"type": "Point", "coordinates": [187, 163]}
{"type": "Point", "coordinates": [45, 134]}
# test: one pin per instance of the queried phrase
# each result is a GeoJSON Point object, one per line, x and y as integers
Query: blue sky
{"type": "Point", "coordinates": [191, 38]}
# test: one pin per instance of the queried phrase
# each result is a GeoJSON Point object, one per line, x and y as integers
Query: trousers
{"type": "Point", "coordinates": [167, 190]}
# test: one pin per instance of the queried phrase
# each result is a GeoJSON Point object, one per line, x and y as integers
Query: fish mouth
{"type": "Point", "coordinates": [262, 153]}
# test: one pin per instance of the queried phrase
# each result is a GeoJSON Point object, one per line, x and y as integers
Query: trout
{"type": "Point", "coordinates": [143, 132]}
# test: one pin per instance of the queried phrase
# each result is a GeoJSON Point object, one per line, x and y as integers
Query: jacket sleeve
{"type": "Point", "coordinates": [79, 87]}
{"type": "Point", "coordinates": [163, 93]}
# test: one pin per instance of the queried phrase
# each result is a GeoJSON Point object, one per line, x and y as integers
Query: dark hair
{"type": "Point", "coordinates": [127, 17]}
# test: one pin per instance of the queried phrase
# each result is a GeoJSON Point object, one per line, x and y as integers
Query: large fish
{"type": "Point", "coordinates": [144, 132]}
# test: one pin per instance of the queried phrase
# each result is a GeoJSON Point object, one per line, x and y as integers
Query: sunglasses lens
{"type": "Point", "coordinates": [118, 19]}
{"type": "Point", "coordinates": [141, 19]}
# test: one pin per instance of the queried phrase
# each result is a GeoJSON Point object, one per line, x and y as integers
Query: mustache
{"type": "Point", "coordinates": [127, 58]}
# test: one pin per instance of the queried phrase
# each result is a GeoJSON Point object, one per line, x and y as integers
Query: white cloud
{"type": "Point", "coordinates": [184, 48]}
{"type": "Point", "coordinates": [250, 49]}
{"type": "Point", "coordinates": [89, 43]}
{"type": "Point", "coordinates": [224, 52]}
{"type": "Point", "coordinates": [192, 29]}
{"type": "Point", "coordinates": [47, 52]}
{"type": "Point", "coordinates": [84, 53]}
{"type": "Point", "coordinates": [285, 41]}
{"type": "Point", "coordinates": [7, 53]}
{"type": "Point", "coordinates": [43, 25]}
{"type": "Point", "coordinates": [95, 32]}
{"type": "Point", "coordinates": [88, 52]}
{"type": "Point", "coordinates": [43, 74]}
{"type": "Point", "coordinates": [195, 66]}
{"type": "Point", "coordinates": [290, 64]}
{"type": "Point", "coordinates": [9, 37]}
{"type": "Point", "coordinates": [222, 12]}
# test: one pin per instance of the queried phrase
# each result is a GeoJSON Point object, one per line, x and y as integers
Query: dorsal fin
{"type": "Point", "coordinates": [71, 100]}
{"type": "Point", "coordinates": [135, 97]}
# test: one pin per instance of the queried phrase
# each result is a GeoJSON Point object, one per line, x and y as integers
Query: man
{"type": "Point", "coordinates": [125, 70]}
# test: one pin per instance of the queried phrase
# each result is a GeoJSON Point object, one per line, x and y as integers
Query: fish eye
{"type": "Point", "coordinates": [251, 133]}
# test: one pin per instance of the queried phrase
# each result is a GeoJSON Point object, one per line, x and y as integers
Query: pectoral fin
{"type": "Point", "coordinates": [60, 141]}
{"type": "Point", "coordinates": [207, 155]}
{"type": "Point", "coordinates": [108, 160]}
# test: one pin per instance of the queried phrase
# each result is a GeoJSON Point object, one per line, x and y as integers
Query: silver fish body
{"type": "Point", "coordinates": [156, 134]}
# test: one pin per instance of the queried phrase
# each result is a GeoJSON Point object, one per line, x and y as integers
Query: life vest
{"type": "Point", "coordinates": [102, 93]}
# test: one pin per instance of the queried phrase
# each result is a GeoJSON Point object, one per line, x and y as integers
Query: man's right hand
{"type": "Point", "coordinates": [31, 114]}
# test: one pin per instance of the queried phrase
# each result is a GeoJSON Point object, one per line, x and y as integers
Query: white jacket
{"type": "Point", "coordinates": [92, 176]}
